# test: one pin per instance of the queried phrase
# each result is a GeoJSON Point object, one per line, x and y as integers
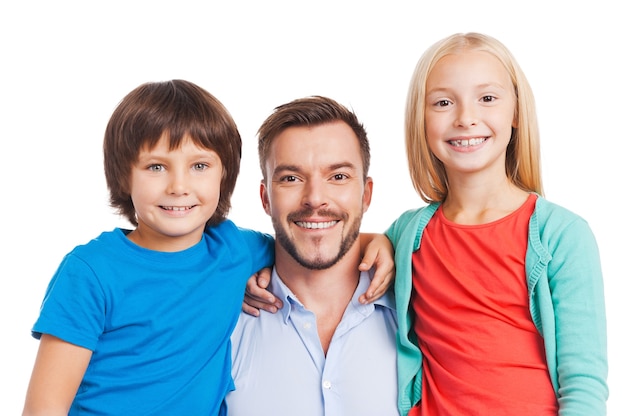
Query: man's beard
{"type": "Point", "coordinates": [316, 263]}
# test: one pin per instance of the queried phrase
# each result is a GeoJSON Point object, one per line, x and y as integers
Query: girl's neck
{"type": "Point", "coordinates": [482, 203]}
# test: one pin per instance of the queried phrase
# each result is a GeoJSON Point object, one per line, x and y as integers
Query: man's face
{"type": "Point", "coordinates": [315, 192]}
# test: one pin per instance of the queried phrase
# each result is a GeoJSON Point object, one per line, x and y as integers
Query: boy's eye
{"type": "Point", "coordinates": [155, 168]}
{"type": "Point", "coordinates": [200, 166]}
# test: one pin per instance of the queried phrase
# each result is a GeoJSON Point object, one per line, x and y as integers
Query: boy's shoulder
{"type": "Point", "coordinates": [227, 231]}
{"type": "Point", "coordinates": [104, 241]}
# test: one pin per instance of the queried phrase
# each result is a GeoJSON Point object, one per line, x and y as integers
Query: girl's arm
{"type": "Point", "coordinates": [58, 371]}
{"type": "Point", "coordinates": [378, 252]}
{"type": "Point", "coordinates": [577, 290]}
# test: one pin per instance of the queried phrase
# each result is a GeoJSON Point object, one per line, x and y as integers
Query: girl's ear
{"type": "Point", "coordinates": [514, 123]}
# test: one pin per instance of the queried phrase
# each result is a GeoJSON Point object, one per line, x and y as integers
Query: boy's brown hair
{"type": "Point", "coordinates": [174, 109]}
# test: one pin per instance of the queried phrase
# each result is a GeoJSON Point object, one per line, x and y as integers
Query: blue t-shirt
{"type": "Point", "coordinates": [158, 323]}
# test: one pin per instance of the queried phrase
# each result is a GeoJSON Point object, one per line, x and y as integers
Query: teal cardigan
{"type": "Point", "coordinates": [566, 295]}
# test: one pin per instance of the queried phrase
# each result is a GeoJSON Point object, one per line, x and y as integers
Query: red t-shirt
{"type": "Point", "coordinates": [482, 352]}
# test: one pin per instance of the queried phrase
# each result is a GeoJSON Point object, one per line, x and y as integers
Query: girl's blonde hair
{"type": "Point", "coordinates": [523, 166]}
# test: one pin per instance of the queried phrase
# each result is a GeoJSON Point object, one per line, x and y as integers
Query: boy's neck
{"type": "Point", "coordinates": [152, 240]}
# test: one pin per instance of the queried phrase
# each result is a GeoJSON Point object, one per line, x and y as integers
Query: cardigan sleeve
{"type": "Point", "coordinates": [574, 278]}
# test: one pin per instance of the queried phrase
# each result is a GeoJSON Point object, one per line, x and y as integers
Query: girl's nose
{"type": "Point", "coordinates": [465, 116]}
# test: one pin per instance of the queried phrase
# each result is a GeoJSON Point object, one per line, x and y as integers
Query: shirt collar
{"type": "Point", "coordinates": [289, 299]}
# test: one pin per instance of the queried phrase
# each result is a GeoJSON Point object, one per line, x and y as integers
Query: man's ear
{"type": "Point", "coordinates": [367, 193]}
{"type": "Point", "coordinates": [265, 200]}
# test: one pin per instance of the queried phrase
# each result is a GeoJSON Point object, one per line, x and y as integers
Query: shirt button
{"type": "Point", "coordinates": [307, 325]}
{"type": "Point", "coordinates": [326, 384]}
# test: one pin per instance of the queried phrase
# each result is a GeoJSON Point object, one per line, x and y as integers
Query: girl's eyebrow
{"type": "Point", "coordinates": [491, 84]}
{"type": "Point", "coordinates": [479, 86]}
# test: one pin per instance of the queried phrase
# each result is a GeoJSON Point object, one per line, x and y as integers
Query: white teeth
{"type": "Point", "coordinates": [176, 208]}
{"type": "Point", "coordinates": [467, 142]}
{"type": "Point", "coordinates": [316, 225]}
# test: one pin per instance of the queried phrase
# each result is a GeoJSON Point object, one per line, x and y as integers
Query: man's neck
{"type": "Point", "coordinates": [326, 293]}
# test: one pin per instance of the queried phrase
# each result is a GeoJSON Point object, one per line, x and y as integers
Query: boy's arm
{"type": "Point", "coordinates": [257, 296]}
{"type": "Point", "coordinates": [58, 371]}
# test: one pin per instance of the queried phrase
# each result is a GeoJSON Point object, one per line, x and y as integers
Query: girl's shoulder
{"type": "Point", "coordinates": [410, 221]}
{"type": "Point", "coordinates": [417, 213]}
{"type": "Point", "coordinates": [550, 212]}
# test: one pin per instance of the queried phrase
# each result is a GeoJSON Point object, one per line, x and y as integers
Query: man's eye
{"type": "Point", "coordinates": [340, 176]}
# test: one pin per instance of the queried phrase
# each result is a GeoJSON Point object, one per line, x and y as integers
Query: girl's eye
{"type": "Point", "coordinates": [488, 98]}
{"type": "Point", "coordinates": [442, 103]}
{"type": "Point", "coordinates": [155, 168]}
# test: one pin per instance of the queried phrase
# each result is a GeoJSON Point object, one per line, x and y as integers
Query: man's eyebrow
{"type": "Point", "coordinates": [280, 169]}
{"type": "Point", "coordinates": [283, 168]}
{"type": "Point", "coordinates": [341, 165]}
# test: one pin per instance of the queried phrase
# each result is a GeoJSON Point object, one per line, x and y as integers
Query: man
{"type": "Point", "coordinates": [323, 352]}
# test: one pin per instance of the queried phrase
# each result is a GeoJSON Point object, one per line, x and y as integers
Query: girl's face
{"type": "Point", "coordinates": [469, 113]}
{"type": "Point", "coordinates": [174, 192]}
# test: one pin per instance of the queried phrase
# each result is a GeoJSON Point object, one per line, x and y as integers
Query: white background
{"type": "Point", "coordinates": [65, 65]}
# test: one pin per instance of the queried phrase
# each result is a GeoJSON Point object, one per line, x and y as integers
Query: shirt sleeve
{"type": "Point", "coordinates": [73, 306]}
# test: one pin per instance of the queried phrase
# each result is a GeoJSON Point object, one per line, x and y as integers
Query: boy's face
{"type": "Point", "coordinates": [174, 193]}
{"type": "Point", "coordinates": [315, 193]}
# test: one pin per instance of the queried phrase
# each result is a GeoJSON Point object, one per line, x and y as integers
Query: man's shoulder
{"type": "Point", "coordinates": [250, 327]}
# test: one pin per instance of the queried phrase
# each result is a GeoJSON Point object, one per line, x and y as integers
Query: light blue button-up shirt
{"type": "Point", "coordinates": [279, 367]}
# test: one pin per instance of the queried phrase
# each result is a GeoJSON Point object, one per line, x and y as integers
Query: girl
{"type": "Point", "coordinates": [499, 292]}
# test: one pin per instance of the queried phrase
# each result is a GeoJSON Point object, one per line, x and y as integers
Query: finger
{"type": "Point", "coordinates": [250, 310]}
{"type": "Point", "coordinates": [260, 304]}
{"type": "Point", "coordinates": [259, 294]}
{"type": "Point", "coordinates": [368, 260]}
{"type": "Point", "coordinates": [263, 277]}
{"type": "Point", "coordinates": [379, 285]}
